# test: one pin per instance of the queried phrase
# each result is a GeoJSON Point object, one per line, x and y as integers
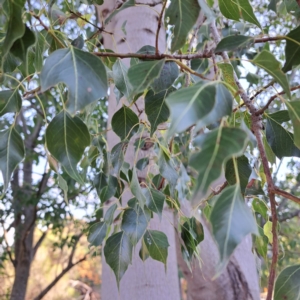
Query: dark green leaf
{"type": "Point", "coordinates": [231, 221]}
{"type": "Point", "coordinates": [141, 75]}
{"type": "Point", "coordinates": [97, 233]}
{"type": "Point", "coordinates": [117, 157]}
{"type": "Point", "coordinates": [78, 42]}
{"type": "Point", "coordinates": [109, 215]}
{"type": "Point", "coordinates": [156, 108]}
{"type": "Point", "coordinates": [268, 62]}
{"type": "Point", "coordinates": [216, 147]}
{"type": "Point", "coordinates": [142, 163]}
{"type": "Point", "coordinates": [109, 190]}
{"type": "Point", "coordinates": [157, 245]}
{"type": "Point", "coordinates": [183, 15]}
{"type": "Point", "coordinates": [260, 207]}
{"type": "Point", "coordinates": [166, 78]}
{"type": "Point", "coordinates": [280, 116]}
{"type": "Point", "coordinates": [125, 123]}
{"type": "Point", "coordinates": [11, 153]}
{"type": "Point", "coordinates": [287, 285]}
{"type": "Point", "coordinates": [121, 80]}
{"type": "Point", "coordinates": [239, 9]}
{"type": "Point", "coordinates": [280, 140]}
{"type": "Point", "coordinates": [292, 49]}
{"type": "Point", "coordinates": [66, 139]}
{"type": "Point", "coordinates": [144, 254]}
{"type": "Point", "coordinates": [10, 101]}
{"type": "Point", "coordinates": [244, 170]}
{"type": "Point", "coordinates": [82, 72]}
{"type": "Point", "coordinates": [135, 222]}
{"type": "Point", "coordinates": [136, 188]}
{"type": "Point", "coordinates": [234, 42]}
{"type": "Point", "coordinates": [118, 254]}
{"type": "Point", "coordinates": [294, 112]}
{"type": "Point", "coordinates": [154, 200]}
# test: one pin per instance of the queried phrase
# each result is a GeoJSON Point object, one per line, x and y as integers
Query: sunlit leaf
{"type": "Point", "coordinates": [231, 221]}
{"type": "Point", "coordinates": [11, 153]}
{"type": "Point", "coordinates": [268, 231]}
{"type": "Point", "coordinates": [82, 72]}
{"type": "Point", "coordinates": [183, 15]}
{"type": "Point", "coordinates": [66, 139]}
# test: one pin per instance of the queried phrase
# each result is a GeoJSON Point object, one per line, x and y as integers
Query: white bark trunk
{"type": "Point", "coordinates": [147, 280]}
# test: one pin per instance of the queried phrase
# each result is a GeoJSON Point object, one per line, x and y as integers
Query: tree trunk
{"type": "Point", "coordinates": [149, 280]}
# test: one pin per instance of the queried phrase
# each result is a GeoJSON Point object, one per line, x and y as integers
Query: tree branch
{"type": "Point", "coordinates": [38, 244]}
{"type": "Point", "coordinates": [287, 195]}
{"type": "Point", "coordinates": [159, 26]}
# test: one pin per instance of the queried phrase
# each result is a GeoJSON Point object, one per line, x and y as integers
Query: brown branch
{"type": "Point", "coordinates": [159, 26]}
{"type": "Point", "coordinates": [287, 195]}
{"type": "Point", "coordinates": [38, 244]}
{"type": "Point", "coordinates": [269, 39]}
{"type": "Point", "coordinates": [221, 188]}
{"type": "Point", "coordinates": [262, 110]}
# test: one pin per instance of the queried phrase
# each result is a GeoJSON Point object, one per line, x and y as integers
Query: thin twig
{"type": "Point", "coordinates": [159, 26]}
{"type": "Point", "coordinates": [287, 195]}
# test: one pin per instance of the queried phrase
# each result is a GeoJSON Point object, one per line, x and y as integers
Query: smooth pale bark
{"type": "Point", "coordinates": [148, 280]}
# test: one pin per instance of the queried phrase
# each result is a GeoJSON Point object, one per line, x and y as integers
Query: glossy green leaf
{"type": "Point", "coordinates": [183, 15]}
{"type": "Point", "coordinates": [189, 105]}
{"type": "Point", "coordinates": [141, 75]}
{"type": "Point", "coordinates": [15, 26]}
{"type": "Point", "coordinates": [260, 207]}
{"type": "Point", "coordinates": [10, 101]}
{"type": "Point", "coordinates": [118, 254]}
{"type": "Point", "coordinates": [109, 215]}
{"type": "Point", "coordinates": [66, 139]}
{"type": "Point", "coordinates": [11, 153]}
{"type": "Point", "coordinates": [157, 245]}
{"type": "Point", "coordinates": [244, 170]}
{"type": "Point", "coordinates": [238, 9]}
{"type": "Point", "coordinates": [109, 190]}
{"type": "Point", "coordinates": [287, 285]}
{"type": "Point", "coordinates": [231, 221]}
{"type": "Point", "coordinates": [166, 78]}
{"type": "Point", "coordinates": [280, 140]}
{"type": "Point", "coordinates": [216, 147]}
{"type": "Point", "coordinates": [156, 108]}
{"type": "Point", "coordinates": [97, 233]}
{"type": "Point", "coordinates": [294, 112]}
{"type": "Point", "coordinates": [135, 222]}
{"type": "Point", "coordinates": [154, 200]}
{"type": "Point", "coordinates": [234, 43]}
{"type": "Point", "coordinates": [292, 49]}
{"type": "Point", "coordinates": [121, 80]}
{"type": "Point", "coordinates": [267, 61]}
{"type": "Point", "coordinates": [192, 234]}
{"type": "Point", "coordinates": [136, 188]}
{"type": "Point", "coordinates": [82, 72]}
{"type": "Point", "coordinates": [21, 45]}
{"type": "Point", "coordinates": [125, 123]}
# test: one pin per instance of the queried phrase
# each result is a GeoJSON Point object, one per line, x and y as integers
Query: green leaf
{"type": "Point", "coordinates": [261, 243]}
{"type": "Point", "coordinates": [260, 207]}
{"type": "Point", "coordinates": [156, 108]}
{"type": "Point", "coordinates": [121, 80]}
{"type": "Point", "coordinates": [117, 157]}
{"type": "Point", "coordinates": [21, 45]}
{"type": "Point", "coordinates": [62, 183]}
{"type": "Point", "coordinates": [228, 77]}
{"type": "Point", "coordinates": [66, 139]}
{"type": "Point", "coordinates": [192, 234]}
{"type": "Point", "coordinates": [136, 188]}
{"type": "Point", "coordinates": [141, 75]}
{"type": "Point", "coordinates": [118, 254]}
{"type": "Point", "coordinates": [231, 221]}
{"type": "Point", "coordinates": [143, 253]}
{"type": "Point", "coordinates": [287, 285]}
{"type": "Point", "coordinates": [97, 233]}
{"type": "Point", "coordinates": [157, 245]}
{"type": "Point", "coordinates": [82, 72]}
{"type": "Point", "coordinates": [166, 78]}
{"type": "Point", "coordinates": [10, 101]}
{"type": "Point", "coordinates": [109, 215]}
{"type": "Point", "coordinates": [280, 116]}
{"type": "Point", "coordinates": [234, 43]}
{"type": "Point", "coordinates": [135, 222]}
{"type": "Point", "coordinates": [154, 200]}
{"type": "Point", "coordinates": [189, 105]}
{"type": "Point", "coordinates": [15, 26]}
{"type": "Point", "coordinates": [125, 5]}
{"type": "Point", "coordinates": [292, 49]}
{"type": "Point", "coordinates": [183, 15]}
{"type": "Point", "coordinates": [142, 163]}
{"type": "Point", "coordinates": [280, 140]}
{"type": "Point", "coordinates": [11, 153]}
{"type": "Point", "coordinates": [268, 231]}
{"type": "Point", "coordinates": [125, 123]}
{"type": "Point", "coordinates": [216, 147]}
{"type": "Point", "coordinates": [109, 190]}
{"type": "Point", "coordinates": [268, 62]}
{"type": "Point", "coordinates": [238, 9]}
{"type": "Point", "coordinates": [244, 170]}
{"type": "Point", "coordinates": [294, 112]}
{"type": "Point", "coordinates": [269, 152]}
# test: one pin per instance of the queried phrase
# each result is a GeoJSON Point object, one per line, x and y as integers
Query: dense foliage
{"type": "Point", "coordinates": [222, 100]}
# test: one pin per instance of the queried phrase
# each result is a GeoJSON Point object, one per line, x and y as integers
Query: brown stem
{"type": "Point", "coordinates": [159, 26]}
{"type": "Point", "coordinates": [269, 39]}
{"type": "Point", "coordinates": [287, 195]}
